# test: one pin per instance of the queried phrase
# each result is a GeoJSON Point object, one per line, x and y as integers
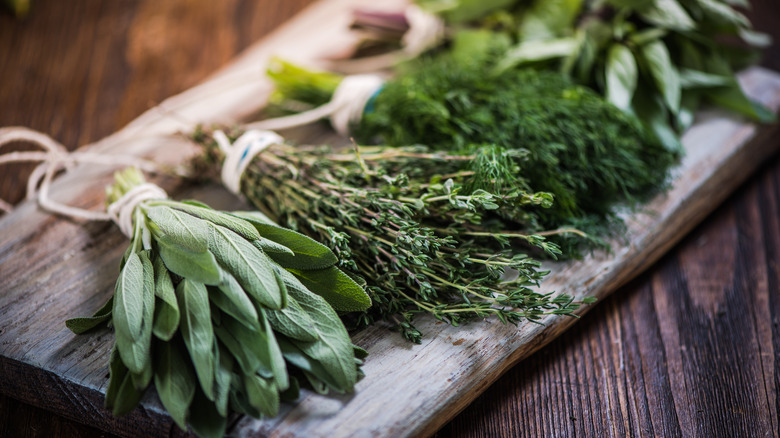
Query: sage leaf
{"type": "Point", "coordinates": [665, 75]}
{"type": "Point", "coordinates": [250, 347]}
{"type": "Point", "coordinates": [668, 14]}
{"type": "Point", "coordinates": [174, 379]}
{"type": "Point", "coordinates": [121, 395]}
{"type": "Point", "coordinates": [197, 331]}
{"type": "Point", "coordinates": [83, 324]}
{"type": "Point", "coordinates": [200, 266]}
{"type": "Point", "coordinates": [262, 394]}
{"type": "Point", "coordinates": [166, 310]}
{"type": "Point", "coordinates": [231, 299]}
{"type": "Point", "coordinates": [307, 252]}
{"type": "Point", "coordinates": [181, 228]}
{"type": "Point", "coordinates": [248, 264]}
{"type": "Point", "coordinates": [621, 76]}
{"type": "Point", "coordinates": [336, 287]}
{"type": "Point", "coordinates": [222, 378]}
{"type": "Point", "coordinates": [205, 420]}
{"type": "Point", "coordinates": [292, 392]}
{"type": "Point", "coordinates": [293, 322]}
{"type": "Point", "coordinates": [271, 247]}
{"type": "Point", "coordinates": [333, 348]}
{"type": "Point", "coordinates": [278, 366]}
{"type": "Point", "coordinates": [296, 357]}
{"type": "Point", "coordinates": [134, 312]}
{"type": "Point", "coordinates": [227, 220]}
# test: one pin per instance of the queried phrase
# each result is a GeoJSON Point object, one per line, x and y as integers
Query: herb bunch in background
{"type": "Point", "coordinates": [544, 133]}
{"type": "Point", "coordinates": [428, 232]}
{"type": "Point", "coordinates": [657, 59]}
{"type": "Point", "coordinates": [213, 308]}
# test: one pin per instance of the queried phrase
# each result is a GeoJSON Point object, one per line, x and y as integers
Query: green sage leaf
{"type": "Point", "coordinates": [231, 299]}
{"type": "Point", "coordinates": [197, 331]}
{"type": "Point", "coordinates": [336, 287]}
{"type": "Point", "coordinates": [222, 378]}
{"type": "Point", "coordinates": [307, 252]}
{"type": "Point", "coordinates": [262, 394]}
{"type": "Point", "coordinates": [83, 324]}
{"type": "Point", "coordinates": [174, 379]}
{"type": "Point", "coordinates": [293, 322]}
{"type": "Point", "coordinates": [250, 347]}
{"type": "Point", "coordinates": [197, 266]}
{"type": "Point", "coordinates": [204, 418]}
{"type": "Point", "coordinates": [181, 228]}
{"type": "Point", "coordinates": [223, 219]}
{"type": "Point", "coordinates": [166, 310]}
{"type": "Point", "coordinates": [621, 76]}
{"type": "Point", "coordinates": [248, 264]}
{"type": "Point", "coordinates": [134, 313]}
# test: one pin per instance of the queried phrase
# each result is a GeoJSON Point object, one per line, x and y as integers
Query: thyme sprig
{"type": "Point", "coordinates": [425, 231]}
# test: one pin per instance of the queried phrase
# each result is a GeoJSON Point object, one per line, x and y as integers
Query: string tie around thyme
{"type": "Point", "coordinates": [344, 109]}
{"type": "Point", "coordinates": [240, 153]}
{"type": "Point", "coordinates": [55, 157]}
{"type": "Point", "coordinates": [425, 31]}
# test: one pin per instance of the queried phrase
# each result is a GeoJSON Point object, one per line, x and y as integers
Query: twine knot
{"type": "Point", "coordinates": [239, 154]}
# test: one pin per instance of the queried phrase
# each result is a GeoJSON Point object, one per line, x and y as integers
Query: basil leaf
{"type": "Point", "coordinates": [698, 79]}
{"type": "Point", "coordinates": [82, 324]}
{"type": "Point", "coordinates": [665, 76]}
{"type": "Point", "coordinates": [651, 111]}
{"type": "Point", "coordinates": [667, 14]}
{"type": "Point", "coordinates": [333, 348]}
{"type": "Point", "coordinates": [231, 299]}
{"type": "Point", "coordinates": [308, 253]}
{"type": "Point", "coordinates": [336, 287]}
{"type": "Point", "coordinates": [547, 19]}
{"type": "Point", "coordinates": [535, 51]}
{"type": "Point", "coordinates": [722, 14]}
{"type": "Point", "coordinates": [621, 76]}
{"type": "Point", "coordinates": [205, 420]}
{"type": "Point", "coordinates": [181, 228]}
{"type": "Point", "coordinates": [222, 377]}
{"type": "Point", "coordinates": [248, 264]}
{"type": "Point", "coordinates": [293, 322]}
{"type": "Point", "coordinates": [197, 266]}
{"type": "Point", "coordinates": [227, 220]}
{"type": "Point", "coordinates": [197, 331]}
{"type": "Point", "coordinates": [174, 379]}
{"type": "Point", "coordinates": [166, 311]}
{"type": "Point", "coordinates": [262, 394]}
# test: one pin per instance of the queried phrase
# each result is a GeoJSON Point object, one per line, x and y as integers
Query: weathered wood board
{"type": "Point", "coordinates": [52, 269]}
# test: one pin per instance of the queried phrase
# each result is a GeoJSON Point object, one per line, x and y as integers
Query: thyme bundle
{"type": "Point", "coordinates": [214, 308]}
{"type": "Point", "coordinates": [419, 227]}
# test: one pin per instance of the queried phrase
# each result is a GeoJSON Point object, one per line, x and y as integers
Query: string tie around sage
{"type": "Point", "coordinates": [55, 157]}
{"type": "Point", "coordinates": [344, 109]}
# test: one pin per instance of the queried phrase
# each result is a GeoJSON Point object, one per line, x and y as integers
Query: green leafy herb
{"type": "Point", "coordinates": [189, 313]}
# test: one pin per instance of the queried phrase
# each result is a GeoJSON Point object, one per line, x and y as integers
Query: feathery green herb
{"type": "Point", "coordinates": [209, 306]}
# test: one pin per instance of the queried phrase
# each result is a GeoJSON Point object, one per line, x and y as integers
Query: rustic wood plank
{"type": "Point", "coordinates": [688, 349]}
{"type": "Point", "coordinates": [47, 265]}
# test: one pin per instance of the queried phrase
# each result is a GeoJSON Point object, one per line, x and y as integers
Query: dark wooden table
{"type": "Point", "coordinates": [690, 348]}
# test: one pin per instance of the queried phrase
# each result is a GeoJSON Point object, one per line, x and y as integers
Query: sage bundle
{"type": "Point", "coordinates": [218, 310]}
{"type": "Point", "coordinates": [427, 231]}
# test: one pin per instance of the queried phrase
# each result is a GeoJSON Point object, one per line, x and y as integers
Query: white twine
{"type": "Point", "coordinates": [239, 154]}
{"type": "Point", "coordinates": [344, 109]}
{"type": "Point", "coordinates": [425, 30]}
{"type": "Point", "coordinates": [56, 157]}
{"type": "Point", "coordinates": [121, 210]}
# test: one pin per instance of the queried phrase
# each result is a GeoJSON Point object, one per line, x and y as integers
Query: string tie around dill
{"type": "Point", "coordinates": [345, 108]}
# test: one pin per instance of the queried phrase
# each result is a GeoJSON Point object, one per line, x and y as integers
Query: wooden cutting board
{"type": "Point", "coordinates": [52, 269]}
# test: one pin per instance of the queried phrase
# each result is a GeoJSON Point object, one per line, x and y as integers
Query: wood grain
{"type": "Point", "coordinates": [596, 404]}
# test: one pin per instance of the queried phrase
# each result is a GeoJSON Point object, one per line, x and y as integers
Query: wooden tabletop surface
{"type": "Point", "coordinates": [690, 348]}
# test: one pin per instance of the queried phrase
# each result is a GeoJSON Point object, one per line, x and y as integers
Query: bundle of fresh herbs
{"type": "Point", "coordinates": [658, 59]}
{"type": "Point", "coordinates": [545, 133]}
{"type": "Point", "coordinates": [216, 308]}
{"type": "Point", "coordinates": [429, 232]}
